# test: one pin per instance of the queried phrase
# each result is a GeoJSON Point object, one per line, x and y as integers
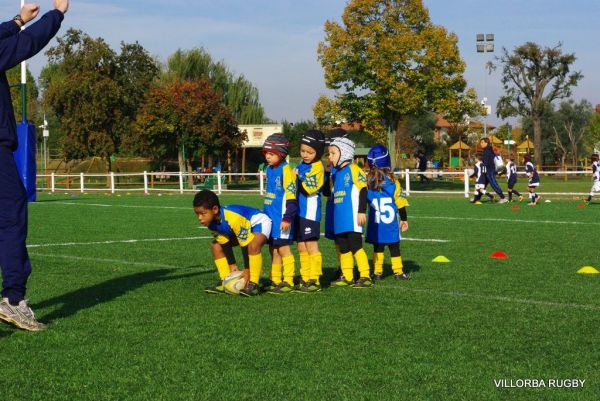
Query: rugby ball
{"type": "Point", "coordinates": [234, 282]}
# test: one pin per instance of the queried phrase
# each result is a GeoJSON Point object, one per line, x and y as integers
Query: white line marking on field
{"type": "Point", "coordinates": [505, 220]}
{"type": "Point", "coordinates": [108, 205]}
{"type": "Point", "coordinates": [497, 298]}
{"type": "Point", "coordinates": [114, 261]}
{"type": "Point", "coordinates": [126, 241]}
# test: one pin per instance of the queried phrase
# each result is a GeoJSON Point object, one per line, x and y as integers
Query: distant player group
{"type": "Point", "coordinates": [292, 212]}
{"type": "Point", "coordinates": [484, 173]}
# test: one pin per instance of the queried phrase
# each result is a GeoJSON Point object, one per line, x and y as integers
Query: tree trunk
{"type": "Point", "coordinates": [537, 139]}
{"type": "Point", "coordinates": [180, 160]}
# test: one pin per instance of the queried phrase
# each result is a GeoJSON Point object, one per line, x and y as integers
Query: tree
{"type": "Point", "coordinates": [185, 114]}
{"type": "Point", "coordinates": [326, 112]}
{"type": "Point", "coordinates": [526, 74]}
{"type": "Point", "coordinates": [594, 130]}
{"type": "Point", "coordinates": [570, 125]}
{"type": "Point", "coordinates": [389, 61]}
{"type": "Point", "coordinates": [237, 92]}
{"type": "Point", "coordinates": [94, 92]}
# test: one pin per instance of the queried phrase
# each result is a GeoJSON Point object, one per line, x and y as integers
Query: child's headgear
{"type": "Point", "coordinates": [335, 133]}
{"type": "Point", "coordinates": [379, 157]}
{"type": "Point", "coordinates": [316, 140]}
{"type": "Point", "coordinates": [278, 144]}
{"type": "Point", "coordinates": [346, 147]}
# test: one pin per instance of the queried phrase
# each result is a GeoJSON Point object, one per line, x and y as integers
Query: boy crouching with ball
{"type": "Point", "coordinates": [234, 225]}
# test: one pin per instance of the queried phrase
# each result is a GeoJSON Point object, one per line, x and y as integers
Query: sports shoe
{"type": "Point", "coordinates": [215, 289]}
{"type": "Point", "coordinates": [402, 276]}
{"type": "Point", "coordinates": [299, 286]}
{"type": "Point", "coordinates": [270, 286]}
{"type": "Point", "coordinates": [532, 204]}
{"type": "Point", "coordinates": [363, 282]}
{"type": "Point", "coordinates": [310, 287]}
{"type": "Point", "coordinates": [520, 198]}
{"type": "Point", "coordinates": [250, 290]}
{"type": "Point", "coordinates": [503, 200]}
{"type": "Point", "coordinates": [341, 282]}
{"type": "Point", "coordinates": [377, 276]}
{"type": "Point", "coordinates": [20, 316]}
{"type": "Point", "coordinates": [281, 289]}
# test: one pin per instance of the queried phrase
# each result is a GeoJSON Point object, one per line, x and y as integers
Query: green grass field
{"type": "Point", "coordinates": [129, 320]}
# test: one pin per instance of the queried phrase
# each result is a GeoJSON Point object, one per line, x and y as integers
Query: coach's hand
{"type": "Point", "coordinates": [61, 5]}
{"type": "Point", "coordinates": [29, 12]}
{"type": "Point", "coordinates": [361, 219]}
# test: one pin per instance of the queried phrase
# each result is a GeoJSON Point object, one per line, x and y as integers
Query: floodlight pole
{"type": "Point", "coordinates": [485, 44]}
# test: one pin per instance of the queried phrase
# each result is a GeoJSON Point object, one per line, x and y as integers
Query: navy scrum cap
{"type": "Point", "coordinates": [278, 144]}
{"type": "Point", "coordinates": [316, 140]}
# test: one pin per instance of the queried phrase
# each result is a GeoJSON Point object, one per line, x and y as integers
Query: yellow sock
{"type": "Point", "coordinates": [289, 269]}
{"type": "Point", "coordinates": [305, 266]}
{"type": "Point", "coordinates": [316, 264]}
{"type": "Point", "coordinates": [378, 262]}
{"type": "Point", "coordinates": [255, 267]}
{"type": "Point", "coordinates": [222, 267]}
{"type": "Point", "coordinates": [362, 261]}
{"type": "Point", "coordinates": [276, 273]}
{"type": "Point", "coordinates": [397, 265]}
{"type": "Point", "coordinates": [347, 263]}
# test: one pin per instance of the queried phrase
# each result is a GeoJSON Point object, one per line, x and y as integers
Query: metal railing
{"type": "Point", "coordinates": [179, 182]}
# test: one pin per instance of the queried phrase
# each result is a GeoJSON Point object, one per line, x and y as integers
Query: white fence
{"type": "Point", "coordinates": [148, 182]}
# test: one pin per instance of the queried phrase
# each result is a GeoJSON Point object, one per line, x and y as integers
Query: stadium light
{"type": "Point", "coordinates": [485, 44]}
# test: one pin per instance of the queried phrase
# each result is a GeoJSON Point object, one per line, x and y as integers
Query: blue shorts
{"type": "Point", "coordinates": [277, 242]}
{"type": "Point", "coordinates": [307, 230]}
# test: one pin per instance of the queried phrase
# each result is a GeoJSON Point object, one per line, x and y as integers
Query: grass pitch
{"type": "Point", "coordinates": [120, 279]}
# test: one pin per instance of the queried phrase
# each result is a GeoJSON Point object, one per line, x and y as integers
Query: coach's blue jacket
{"type": "Point", "coordinates": [15, 47]}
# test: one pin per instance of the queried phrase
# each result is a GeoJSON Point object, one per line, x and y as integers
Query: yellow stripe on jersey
{"type": "Point", "coordinates": [400, 201]}
{"type": "Point", "coordinates": [359, 178]}
{"type": "Point", "coordinates": [315, 179]}
{"type": "Point", "coordinates": [289, 183]}
{"type": "Point", "coordinates": [220, 238]}
{"type": "Point", "coordinates": [241, 227]}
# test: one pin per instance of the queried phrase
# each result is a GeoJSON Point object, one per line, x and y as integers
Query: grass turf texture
{"type": "Point", "coordinates": [129, 321]}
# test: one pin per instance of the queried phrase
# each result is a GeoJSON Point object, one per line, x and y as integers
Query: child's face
{"type": "Point", "coordinates": [334, 155]}
{"type": "Point", "coordinates": [206, 215]}
{"type": "Point", "coordinates": [272, 158]}
{"type": "Point", "coordinates": [307, 153]}
{"type": "Point", "coordinates": [483, 144]}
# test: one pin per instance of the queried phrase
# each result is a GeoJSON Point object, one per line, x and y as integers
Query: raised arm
{"type": "Point", "coordinates": [25, 44]}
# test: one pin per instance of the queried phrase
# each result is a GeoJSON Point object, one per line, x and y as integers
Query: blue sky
{"type": "Point", "coordinates": [273, 42]}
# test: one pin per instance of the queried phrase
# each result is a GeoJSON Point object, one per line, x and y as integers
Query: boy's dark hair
{"type": "Point", "coordinates": [479, 155]}
{"type": "Point", "coordinates": [206, 199]}
{"type": "Point", "coordinates": [595, 157]}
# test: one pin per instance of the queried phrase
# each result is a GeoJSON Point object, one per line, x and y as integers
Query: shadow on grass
{"type": "Point", "coordinates": [88, 297]}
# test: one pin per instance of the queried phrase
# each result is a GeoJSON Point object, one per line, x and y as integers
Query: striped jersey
{"type": "Point", "coordinates": [511, 172]}
{"type": "Point", "coordinates": [532, 173]}
{"type": "Point", "coordinates": [281, 187]}
{"type": "Point", "coordinates": [311, 178]}
{"type": "Point", "coordinates": [347, 184]}
{"type": "Point", "coordinates": [236, 222]}
{"type": "Point", "coordinates": [596, 171]}
{"type": "Point", "coordinates": [383, 226]}
{"type": "Point", "coordinates": [480, 173]}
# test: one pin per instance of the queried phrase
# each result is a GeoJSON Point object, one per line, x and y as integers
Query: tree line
{"type": "Point", "coordinates": [101, 102]}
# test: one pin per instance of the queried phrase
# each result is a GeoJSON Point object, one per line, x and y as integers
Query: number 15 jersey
{"type": "Point", "coordinates": [383, 226]}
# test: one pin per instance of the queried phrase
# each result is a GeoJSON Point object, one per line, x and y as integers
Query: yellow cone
{"type": "Point", "coordinates": [588, 270]}
{"type": "Point", "coordinates": [441, 259]}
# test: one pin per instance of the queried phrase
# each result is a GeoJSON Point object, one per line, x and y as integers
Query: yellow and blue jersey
{"type": "Point", "coordinates": [281, 188]}
{"type": "Point", "coordinates": [311, 178]}
{"type": "Point", "coordinates": [383, 226]}
{"type": "Point", "coordinates": [347, 184]}
{"type": "Point", "coordinates": [236, 223]}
